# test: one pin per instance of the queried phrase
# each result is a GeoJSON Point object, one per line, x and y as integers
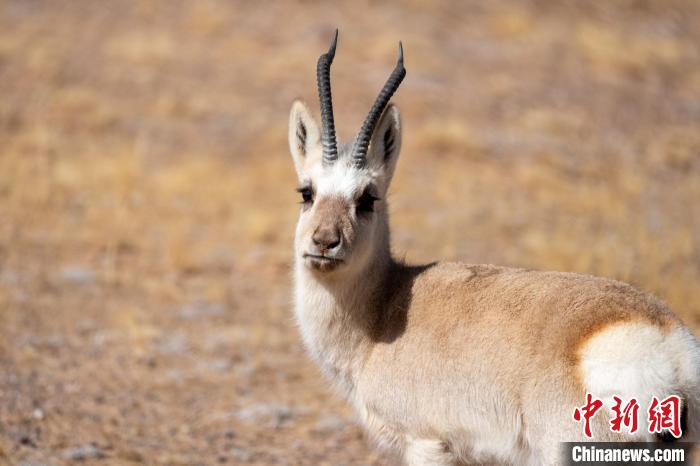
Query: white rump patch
{"type": "Point", "coordinates": [631, 360]}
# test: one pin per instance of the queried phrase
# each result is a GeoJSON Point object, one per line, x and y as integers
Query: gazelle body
{"type": "Point", "coordinates": [452, 363]}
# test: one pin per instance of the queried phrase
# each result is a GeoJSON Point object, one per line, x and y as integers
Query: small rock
{"type": "Point", "coordinates": [103, 337]}
{"type": "Point", "coordinates": [199, 310]}
{"type": "Point", "coordinates": [38, 414]}
{"type": "Point", "coordinates": [9, 278]}
{"type": "Point", "coordinates": [240, 454]}
{"type": "Point", "coordinates": [220, 364]}
{"type": "Point", "coordinates": [86, 325]}
{"type": "Point", "coordinates": [85, 452]}
{"type": "Point", "coordinates": [272, 414]}
{"type": "Point", "coordinates": [175, 343]}
{"type": "Point", "coordinates": [175, 375]}
{"type": "Point", "coordinates": [78, 275]}
{"type": "Point", "coordinates": [328, 424]}
{"type": "Point", "coordinates": [53, 341]}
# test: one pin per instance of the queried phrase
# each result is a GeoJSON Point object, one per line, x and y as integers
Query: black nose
{"type": "Point", "coordinates": [326, 238]}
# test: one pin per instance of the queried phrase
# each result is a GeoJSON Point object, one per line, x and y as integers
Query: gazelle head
{"type": "Point", "coordinates": [343, 219]}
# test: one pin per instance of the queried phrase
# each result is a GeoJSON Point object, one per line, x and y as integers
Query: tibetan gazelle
{"type": "Point", "coordinates": [450, 363]}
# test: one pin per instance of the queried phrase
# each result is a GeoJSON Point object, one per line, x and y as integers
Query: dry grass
{"type": "Point", "coordinates": [147, 205]}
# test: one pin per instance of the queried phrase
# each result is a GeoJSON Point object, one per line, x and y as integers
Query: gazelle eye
{"type": "Point", "coordinates": [365, 203]}
{"type": "Point", "coordinates": [307, 195]}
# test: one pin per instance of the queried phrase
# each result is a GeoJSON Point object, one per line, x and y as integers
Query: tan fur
{"type": "Point", "coordinates": [449, 362]}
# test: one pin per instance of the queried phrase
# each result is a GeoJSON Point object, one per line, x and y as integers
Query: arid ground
{"type": "Point", "coordinates": [147, 200]}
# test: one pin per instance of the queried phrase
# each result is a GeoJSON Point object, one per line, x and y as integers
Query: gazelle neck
{"type": "Point", "coordinates": [338, 316]}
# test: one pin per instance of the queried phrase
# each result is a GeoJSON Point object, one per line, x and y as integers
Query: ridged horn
{"type": "Point", "coordinates": [323, 78]}
{"type": "Point", "coordinates": [359, 151]}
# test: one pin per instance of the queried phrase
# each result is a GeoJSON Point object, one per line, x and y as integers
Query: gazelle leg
{"type": "Point", "coordinates": [428, 452]}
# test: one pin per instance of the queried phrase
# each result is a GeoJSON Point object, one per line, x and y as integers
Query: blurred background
{"type": "Point", "coordinates": [147, 201]}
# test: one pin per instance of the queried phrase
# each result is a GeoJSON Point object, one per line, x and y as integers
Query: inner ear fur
{"type": "Point", "coordinates": [304, 134]}
{"type": "Point", "coordinates": [386, 140]}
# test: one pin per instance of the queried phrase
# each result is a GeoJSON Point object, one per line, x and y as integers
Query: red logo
{"type": "Point", "coordinates": [589, 410]}
{"type": "Point", "coordinates": [663, 415]}
{"type": "Point", "coordinates": [626, 416]}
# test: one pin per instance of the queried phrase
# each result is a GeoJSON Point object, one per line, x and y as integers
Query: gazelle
{"type": "Point", "coordinates": [451, 363]}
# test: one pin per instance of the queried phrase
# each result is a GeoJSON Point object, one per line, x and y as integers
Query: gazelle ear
{"type": "Point", "coordinates": [386, 142]}
{"type": "Point", "coordinates": [304, 137]}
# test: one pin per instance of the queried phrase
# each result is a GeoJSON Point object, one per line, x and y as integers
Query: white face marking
{"type": "Point", "coordinates": [339, 185]}
{"type": "Point", "coordinates": [340, 179]}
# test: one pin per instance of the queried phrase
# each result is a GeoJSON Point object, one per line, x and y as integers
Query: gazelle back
{"type": "Point", "coordinates": [452, 363]}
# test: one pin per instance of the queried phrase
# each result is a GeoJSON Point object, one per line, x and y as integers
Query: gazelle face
{"type": "Point", "coordinates": [342, 218]}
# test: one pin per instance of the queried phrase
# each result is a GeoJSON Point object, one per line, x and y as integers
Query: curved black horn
{"type": "Point", "coordinates": [323, 78]}
{"type": "Point", "coordinates": [359, 152]}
